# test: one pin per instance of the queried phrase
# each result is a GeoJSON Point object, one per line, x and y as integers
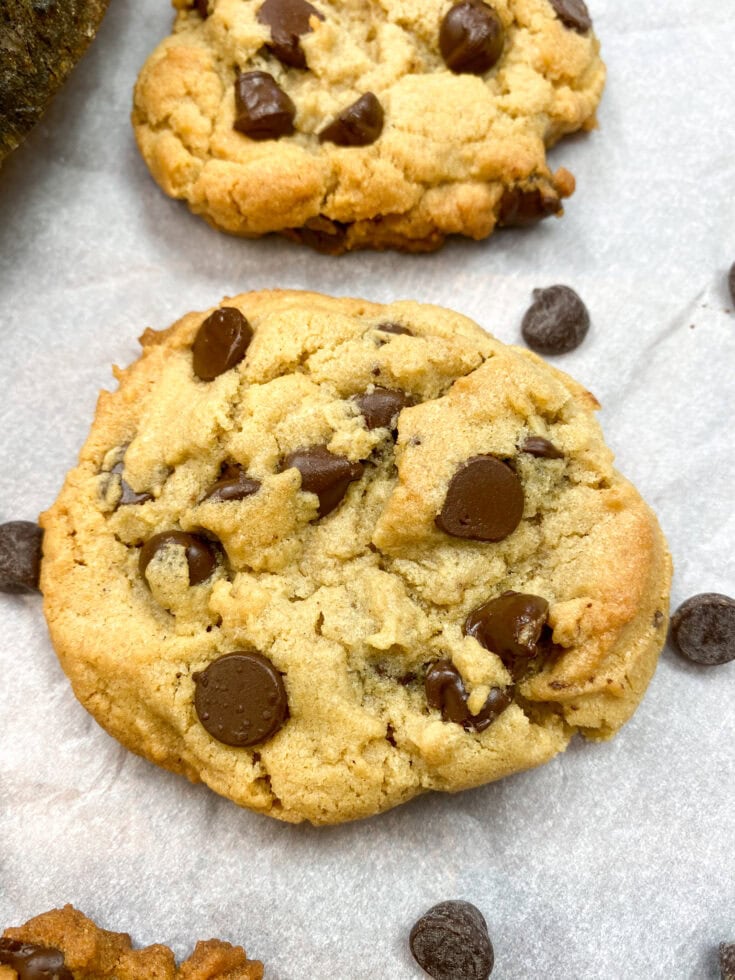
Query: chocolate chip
{"type": "Point", "coordinates": [703, 628]}
{"type": "Point", "coordinates": [221, 343]}
{"type": "Point", "coordinates": [288, 20]}
{"type": "Point", "coordinates": [240, 699]}
{"type": "Point", "coordinates": [519, 207]}
{"type": "Point", "coordinates": [321, 234]}
{"type": "Point", "coordinates": [128, 495]}
{"type": "Point", "coordinates": [233, 484]}
{"type": "Point", "coordinates": [360, 124]}
{"type": "Point", "coordinates": [510, 626]}
{"type": "Point", "coordinates": [573, 13]}
{"type": "Point", "coordinates": [731, 281]}
{"type": "Point", "coordinates": [556, 322]}
{"type": "Point", "coordinates": [451, 942]}
{"type": "Point", "coordinates": [20, 557]}
{"type": "Point", "coordinates": [202, 8]}
{"type": "Point", "coordinates": [381, 406]}
{"type": "Point", "coordinates": [446, 692]}
{"type": "Point", "coordinates": [32, 962]}
{"type": "Point", "coordinates": [325, 474]}
{"type": "Point", "coordinates": [396, 328]}
{"type": "Point", "coordinates": [484, 501]}
{"type": "Point", "coordinates": [471, 37]}
{"type": "Point", "coordinates": [727, 961]}
{"type": "Point", "coordinates": [200, 555]}
{"type": "Point", "coordinates": [540, 447]}
{"type": "Point", "coordinates": [263, 111]}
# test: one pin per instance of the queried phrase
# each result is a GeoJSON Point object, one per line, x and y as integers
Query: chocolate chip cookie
{"type": "Point", "coordinates": [63, 944]}
{"type": "Point", "coordinates": [325, 555]}
{"type": "Point", "coordinates": [373, 123]}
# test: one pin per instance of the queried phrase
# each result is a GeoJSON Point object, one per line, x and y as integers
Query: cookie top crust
{"type": "Point", "coordinates": [322, 599]}
{"type": "Point", "coordinates": [366, 123]}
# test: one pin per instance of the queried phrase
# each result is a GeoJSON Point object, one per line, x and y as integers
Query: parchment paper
{"type": "Point", "coordinates": [614, 861]}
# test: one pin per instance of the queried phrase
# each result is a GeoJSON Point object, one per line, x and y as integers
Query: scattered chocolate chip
{"type": "Point", "coordinates": [574, 14]}
{"type": "Point", "coordinates": [471, 37]}
{"type": "Point", "coordinates": [200, 554]}
{"type": "Point", "coordinates": [446, 692]}
{"type": "Point", "coordinates": [288, 21]}
{"type": "Point", "coordinates": [519, 207]}
{"type": "Point", "coordinates": [396, 328]}
{"type": "Point", "coordinates": [263, 111]}
{"type": "Point", "coordinates": [128, 495]}
{"type": "Point", "coordinates": [202, 8]}
{"type": "Point", "coordinates": [703, 628]}
{"type": "Point", "coordinates": [221, 343]}
{"type": "Point", "coordinates": [484, 501]}
{"type": "Point", "coordinates": [451, 942]}
{"type": "Point", "coordinates": [32, 962]}
{"type": "Point", "coordinates": [325, 474]}
{"type": "Point", "coordinates": [20, 557]}
{"type": "Point", "coordinates": [541, 448]}
{"type": "Point", "coordinates": [731, 281]}
{"type": "Point", "coordinates": [381, 406]}
{"type": "Point", "coordinates": [727, 961]}
{"type": "Point", "coordinates": [360, 124]}
{"type": "Point", "coordinates": [240, 699]}
{"type": "Point", "coordinates": [510, 626]}
{"type": "Point", "coordinates": [556, 322]}
{"type": "Point", "coordinates": [233, 484]}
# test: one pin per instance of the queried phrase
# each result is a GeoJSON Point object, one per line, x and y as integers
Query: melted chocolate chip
{"type": "Point", "coordinates": [510, 626]}
{"type": "Point", "coordinates": [573, 13]}
{"type": "Point", "coordinates": [381, 406]}
{"type": "Point", "coordinates": [128, 495]}
{"type": "Point", "coordinates": [202, 8]}
{"type": "Point", "coordinates": [240, 699]}
{"type": "Point", "coordinates": [471, 37]}
{"type": "Point", "coordinates": [541, 448]}
{"type": "Point", "coordinates": [263, 111]}
{"type": "Point", "coordinates": [396, 328]}
{"type": "Point", "coordinates": [321, 234]}
{"type": "Point", "coordinates": [360, 124]}
{"type": "Point", "coordinates": [556, 322]}
{"type": "Point", "coordinates": [484, 501]}
{"type": "Point", "coordinates": [288, 21]}
{"type": "Point", "coordinates": [200, 554]}
{"type": "Point", "coordinates": [32, 962]}
{"type": "Point", "coordinates": [451, 942]}
{"type": "Point", "coordinates": [233, 484]}
{"type": "Point", "coordinates": [20, 557]}
{"type": "Point", "coordinates": [325, 474]}
{"type": "Point", "coordinates": [519, 208]}
{"type": "Point", "coordinates": [703, 628]}
{"type": "Point", "coordinates": [221, 343]}
{"type": "Point", "coordinates": [727, 961]}
{"type": "Point", "coordinates": [446, 692]}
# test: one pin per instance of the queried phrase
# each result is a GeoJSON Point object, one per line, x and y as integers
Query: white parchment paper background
{"type": "Point", "coordinates": [614, 861]}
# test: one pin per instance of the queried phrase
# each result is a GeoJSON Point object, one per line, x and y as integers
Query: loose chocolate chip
{"type": "Point", "coordinates": [200, 554]}
{"type": "Point", "coordinates": [471, 37]}
{"type": "Point", "coordinates": [484, 501]}
{"type": "Point", "coordinates": [20, 557]}
{"type": "Point", "coordinates": [703, 628]}
{"type": "Point", "coordinates": [519, 207]}
{"type": "Point", "coordinates": [32, 962]}
{"type": "Point", "coordinates": [202, 8]}
{"type": "Point", "coordinates": [233, 484]}
{"type": "Point", "coordinates": [288, 20]}
{"type": "Point", "coordinates": [263, 111]}
{"type": "Point", "coordinates": [221, 343]}
{"type": "Point", "coordinates": [381, 406]}
{"type": "Point", "coordinates": [451, 942]}
{"type": "Point", "coordinates": [727, 961]}
{"type": "Point", "coordinates": [540, 447]}
{"type": "Point", "coordinates": [396, 328]}
{"type": "Point", "coordinates": [509, 625]}
{"type": "Point", "coordinates": [240, 699]}
{"type": "Point", "coordinates": [446, 692]}
{"type": "Point", "coordinates": [325, 474]}
{"type": "Point", "coordinates": [731, 281]}
{"type": "Point", "coordinates": [360, 124]}
{"type": "Point", "coordinates": [574, 14]}
{"type": "Point", "coordinates": [556, 322]}
{"type": "Point", "coordinates": [128, 495]}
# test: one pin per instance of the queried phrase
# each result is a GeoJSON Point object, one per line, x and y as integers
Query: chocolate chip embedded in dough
{"type": "Point", "coordinates": [526, 207]}
{"type": "Point", "coordinates": [128, 495]}
{"type": "Point", "coordinates": [221, 343]}
{"type": "Point", "coordinates": [484, 501]}
{"type": "Point", "coordinates": [451, 942]}
{"type": "Point", "coordinates": [263, 111]}
{"type": "Point", "coordinates": [471, 37]}
{"type": "Point", "coordinates": [381, 407]}
{"type": "Point", "coordinates": [509, 625]}
{"type": "Point", "coordinates": [200, 555]}
{"type": "Point", "coordinates": [446, 692]}
{"type": "Point", "coordinates": [541, 448]}
{"type": "Point", "coordinates": [20, 557]}
{"type": "Point", "coordinates": [396, 328]}
{"type": "Point", "coordinates": [33, 962]}
{"type": "Point", "coordinates": [360, 124]}
{"type": "Point", "coordinates": [556, 322]}
{"type": "Point", "coordinates": [325, 474]}
{"type": "Point", "coordinates": [240, 699]}
{"type": "Point", "coordinates": [574, 14]}
{"type": "Point", "coordinates": [288, 21]}
{"type": "Point", "coordinates": [202, 8]}
{"type": "Point", "coordinates": [703, 628]}
{"type": "Point", "coordinates": [233, 484]}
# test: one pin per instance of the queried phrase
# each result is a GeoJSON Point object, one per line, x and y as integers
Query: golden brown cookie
{"type": "Point", "coordinates": [368, 123]}
{"type": "Point", "coordinates": [325, 555]}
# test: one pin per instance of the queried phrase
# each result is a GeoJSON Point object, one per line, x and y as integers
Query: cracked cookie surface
{"type": "Point", "coordinates": [342, 125]}
{"type": "Point", "coordinates": [377, 552]}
